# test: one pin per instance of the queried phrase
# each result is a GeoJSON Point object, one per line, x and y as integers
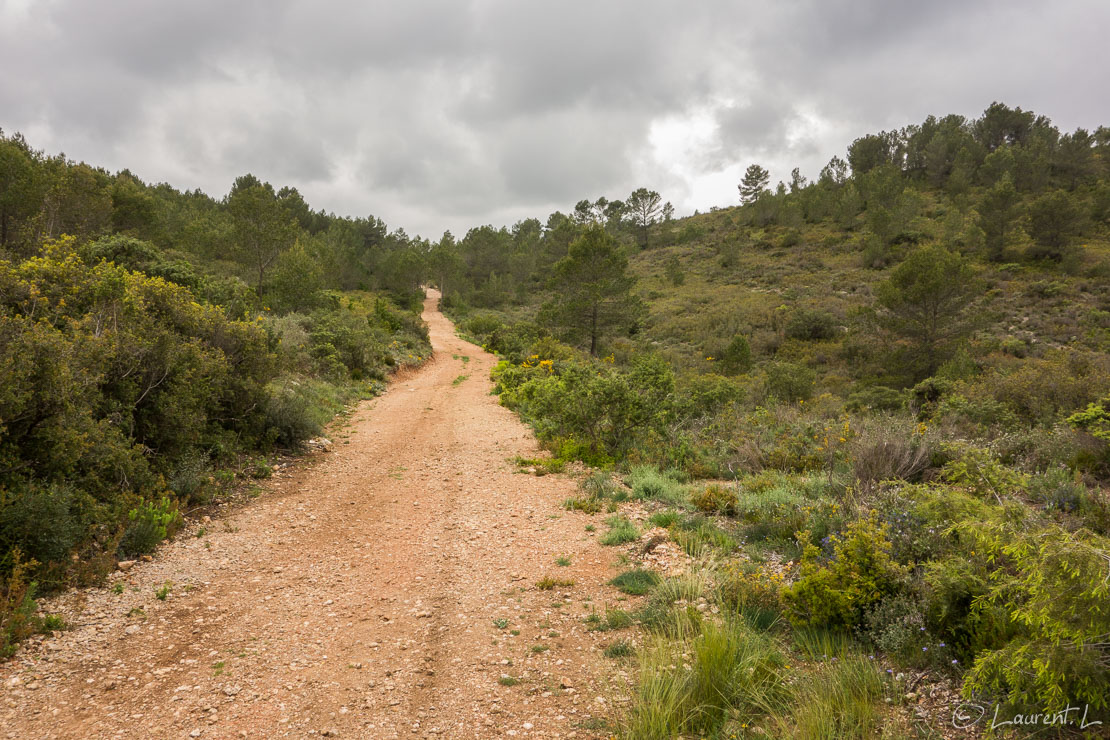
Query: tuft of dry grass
{"type": "Point", "coordinates": [889, 448]}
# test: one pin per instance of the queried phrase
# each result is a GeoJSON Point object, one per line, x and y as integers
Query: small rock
{"type": "Point", "coordinates": [125, 565]}
{"type": "Point", "coordinates": [196, 733]}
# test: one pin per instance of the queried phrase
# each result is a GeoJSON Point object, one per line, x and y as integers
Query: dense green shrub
{"type": "Point", "coordinates": [345, 345]}
{"type": "Point", "coordinates": [981, 413]}
{"type": "Point", "coordinates": [122, 389]}
{"type": "Point", "coordinates": [789, 382]}
{"type": "Point", "coordinates": [737, 356]}
{"type": "Point", "coordinates": [838, 592]}
{"type": "Point", "coordinates": [876, 398]}
{"type": "Point", "coordinates": [1060, 490]}
{"type": "Point", "coordinates": [714, 498]}
{"type": "Point", "coordinates": [599, 410]}
{"type": "Point", "coordinates": [896, 625]}
{"type": "Point", "coordinates": [149, 523]}
{"type": "Point", "coordinates": [811, 324]}
{"type": "Point", "coordinates": [699, 396]}
{"type": "Point", "coordinates": [291, 417]}
{"type": "Point", "coordinates": [1095, 419]}
{"type": "Point", "coordinates": [102, 365]}
{"type": "Point", "coordinates": [956, 591]}
{"type": "Point", "coordinates": [1054, 586]}
{"type": "Point", "coordinates": [1036, 449]}
{"type": "Point", "coordinates": [979, 472]}
{"type": "Point", "coordinates": [512, 341]}
{"type": "Point", "coordinates": [1040, 390]}
{"type": "Point", "coordinates": [41, 522]}
{"type": "Point", "coordinates": [234, 296]}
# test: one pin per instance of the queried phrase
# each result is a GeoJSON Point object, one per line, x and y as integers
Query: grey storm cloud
{"type": "Point", "coordinates": [454, 113]}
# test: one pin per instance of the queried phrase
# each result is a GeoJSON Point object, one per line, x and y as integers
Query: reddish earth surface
{"type": "Point", "coordinates": [361, 595]}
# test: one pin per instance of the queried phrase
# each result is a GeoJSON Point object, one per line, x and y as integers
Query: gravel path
{"type": "Point", "coordinates": [357, 597]}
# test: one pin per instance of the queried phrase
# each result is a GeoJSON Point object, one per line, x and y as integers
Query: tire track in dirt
{"type": "Point", "coordinates": [356, 598]}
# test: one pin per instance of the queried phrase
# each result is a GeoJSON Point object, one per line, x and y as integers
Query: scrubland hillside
{"type": "Point", "coordinates": [875, 408]}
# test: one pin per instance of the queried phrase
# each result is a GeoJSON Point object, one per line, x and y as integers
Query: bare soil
{"type": "Point", "coordinates": [356, 597]}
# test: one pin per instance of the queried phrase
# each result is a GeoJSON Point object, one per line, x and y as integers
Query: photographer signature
{"type": "Point", "coordinates": [968, 715]}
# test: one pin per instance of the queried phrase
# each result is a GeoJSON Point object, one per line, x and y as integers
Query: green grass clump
{"type": "Point", "coordinates": [618, 619]}
{"type": "Point", "coordinates": [585, 504]}
{"type": "Point", "coordinates": [689, 587]}
{"type": "Point", "coordinates": [839, 700]}
{"type": "Point", "coordinates": [818, 644]}
{"type": "Point", "coordinates": [614, 619]}
{"type": "Point", "coordinates": [598, 491]}
{"type": "Point", "coordinates": [692, 685]}
{"type": "Point", "coordinates": [657, 711]}
{"type": "Point", "coordinates": [665, 519]}
{"type": "Point", "coordinates": [647, 482]}
{"type": "Point", "coordinates": [621, 531]}
{"type": "Point", "coordinates": [541, 465]}
{"type": "Point", "coordinates": [53, 623]}
{"type": "Point", "coordinates": [548, 583]}
{"type": "Point", "coordinates": [636, 582]}
{"type": "Point", "coordinates": [619, 649]}
{"type": "Point", "coordinates": [700, 536]}
{"type": "Point", "coordinates": [672, 607]}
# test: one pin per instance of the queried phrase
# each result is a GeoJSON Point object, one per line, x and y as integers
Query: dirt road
{"type": "Point", "coordinates": [360, 596]}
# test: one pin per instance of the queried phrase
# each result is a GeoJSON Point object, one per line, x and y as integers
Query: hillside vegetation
{"type": "Point", "coordinates": [874, 407]}
{"type": "Point", "coordinates": [156, 347]}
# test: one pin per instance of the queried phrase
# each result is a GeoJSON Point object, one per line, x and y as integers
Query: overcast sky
{"type": "Point", "coordinates": [450, 114]}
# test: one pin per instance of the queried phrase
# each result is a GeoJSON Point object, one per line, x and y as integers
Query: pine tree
{"type": "Point", "coordinates": [593, 290]}
{"type": "Point", "coordinates": [754, 183]}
